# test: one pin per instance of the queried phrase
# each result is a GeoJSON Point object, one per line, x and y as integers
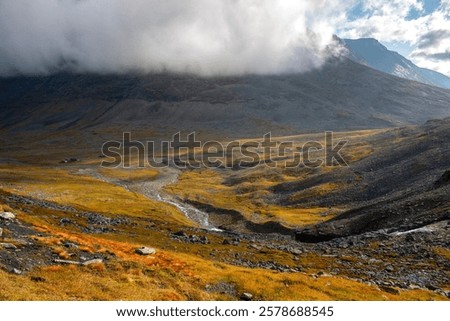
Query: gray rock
{"type": "Point", "coordinates": [181, 234]}
{"type": "Point", "coordinates": [432, 287]}
{"type": "Point", "coordinates": [16, 271]}
{"type": "Point", "coordinates": [246, 296]}
{"type": "Point", "coordinates": [8, 246]}
{"type": "Point", "coordinates": [414, 287]}
{"type": "Point", "coordinates": [296, 251]}
{"type": "Point", "coordinates": [256, 247]}
{"type": "Point", "coordinates": [94, 261]}
{"type": "Point", "coordinates": [1, 232]}
{"type": "Point", "coordinates": [7, 216]}
{"type": "Point", "coordinates": [390, 268]}
{"type": "Point", "coordinates": [65, 221]}
{"type": "Point", "coordinates": [194, 238]}
{"type": "Point", "coordinates": [71, 245]}
{"type": "Point", "coordinates": [145, 250]}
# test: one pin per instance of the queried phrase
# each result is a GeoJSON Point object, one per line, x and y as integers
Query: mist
{"type": "Point", "coordinates": [205, 37]}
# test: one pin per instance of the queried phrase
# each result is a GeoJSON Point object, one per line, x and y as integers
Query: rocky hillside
{"type": "Point", "coordinates": [342, 96]}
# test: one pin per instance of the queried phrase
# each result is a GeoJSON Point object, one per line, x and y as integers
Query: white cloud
{"type": "Point", "coordinates": [201, 36]}
{"type": "Point", "coordinates": [204, 36]}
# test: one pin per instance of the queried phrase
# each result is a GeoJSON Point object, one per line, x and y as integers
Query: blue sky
{"type": "Point", "coordinates": [417, 29]}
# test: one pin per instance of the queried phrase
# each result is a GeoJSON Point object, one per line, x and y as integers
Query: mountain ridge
{"type": "Point", "coordinates": [372, 53]}
{"type": "Point", "coordinates": [343, 95]}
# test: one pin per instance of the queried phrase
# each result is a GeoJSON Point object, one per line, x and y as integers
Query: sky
{"type": "Point", "coordinates": [419, 30]}
{"type": "Point", "coordinates": [211, 37]}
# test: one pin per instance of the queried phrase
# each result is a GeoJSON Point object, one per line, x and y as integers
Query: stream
{"type": "Point", "coordinates": [154, 190]}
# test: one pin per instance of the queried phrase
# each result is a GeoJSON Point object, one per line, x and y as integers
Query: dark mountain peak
{"type": "Point", "coordinates": [366, 41]}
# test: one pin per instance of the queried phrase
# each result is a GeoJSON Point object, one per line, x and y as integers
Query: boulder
{"type": "Point", "coordinates": [390, 268]}
{"type": "Point", "coordinates": [7, 216]}
{"type": "Point", "coordinates": [71, 245]}
{"type": "Point", "coordinates": [246, 296]}
{"type": "Point", "coordinates": [180, 233]}
{"type": "Point", "coordinates": [16, 271]}
{"type": "Point", "coordinates": [145, 250]}
{"type": "Point", "coordinates": [1, 232]}
{"type": "Point", "coordinates": [443, 180]}
{"type": "Point", "coordinates": [8, 246]}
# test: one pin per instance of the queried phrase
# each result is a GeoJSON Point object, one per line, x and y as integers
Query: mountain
{"type": "Point", "coordinates": [370, 52]}
{"type": "Point", "coordinates": [343, 95]}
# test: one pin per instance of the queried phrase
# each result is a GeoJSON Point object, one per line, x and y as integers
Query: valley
{"type": "Point", "coordinates": [375, 228]}
{"type": "Point", "coordinates": [218, 233]}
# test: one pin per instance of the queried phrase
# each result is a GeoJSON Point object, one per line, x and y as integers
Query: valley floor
{"type": "Point", "coordinates": [76, 227]}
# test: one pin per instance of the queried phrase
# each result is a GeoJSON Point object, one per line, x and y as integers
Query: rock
{"type": "Point", "coordinates": [443, 180]}
{"type": "Point", "coordinates": [194, 238]}
{"type": "Point", "coordinates": [389, 268]}
{"type": "Point", "coordinates": [145, 250]}
{"type": "Point", "coordinates": [70, 245]}
{"type": "Point", "coordinates": [226, 242]}
{"type": "Point", "coordinates": [94, 261]}
{"type": "Point", "coordinates": [7, 216]}
{"type": "Point", "coordinates": [236, 240]}
{"type": "Point", "coordinates": [66, 262]}
{"type": "Point", "coordinates": [65, 221]}
{"type": "Point", "coordinates": [1, 232]}
{"type": "Point", "coordinates": [246, 296]}
{"type": "Point", "coordinates": [16, 271]}
{"type": "Point", "coordinates": [204, 239]}
{"type": "Point", "coordinates": [38, 279]}
{"type": "Point", "coordinates": [8, 246]}
{"type": "Point", "coordinates": [373, 261]}
{"type": "Point", "coordinates": [447, 294]}
{"type": "Point", "coordinates": [432, 287]}
{"type": "Point", "coordinates": [69, 160]}
{"type": "Point", "coordinates": [413, 287]}
{"type": "Point", "coordinates": [221, 287]}
{"type": "Point", "coordinates": [296, 251]}
{"type": "Point", "coordinates": [389, 289]}
{"type": "Point", "coordinates": [180, 233]}
{"type": "Point", "coordinates": [256, 247]}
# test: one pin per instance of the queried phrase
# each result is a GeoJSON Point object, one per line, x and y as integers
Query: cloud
{"type": "Point", "coordinates": [386, 20]}
{"type": "Point", "coordinates": [433, 38]}
{"type": "Point", "coordinates": [207, 37]}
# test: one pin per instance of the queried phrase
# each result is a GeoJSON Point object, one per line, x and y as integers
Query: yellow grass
{"type": "Point", "coordinates": [84, 192]}
{"type": "Point", "coordinates": [248, 198]}
{"type": "Point", "coordinates": [132, 174]}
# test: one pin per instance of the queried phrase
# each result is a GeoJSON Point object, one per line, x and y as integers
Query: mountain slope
{"type": "Point", "coordinates": [402, 185]}
{"type": "Point", "coordinates": [342, 95]}
{"type": "Point", "coordinates": [370, 52]}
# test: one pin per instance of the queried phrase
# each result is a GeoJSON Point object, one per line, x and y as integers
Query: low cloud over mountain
{"type": "Point", "coordinates": [206, 37]}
